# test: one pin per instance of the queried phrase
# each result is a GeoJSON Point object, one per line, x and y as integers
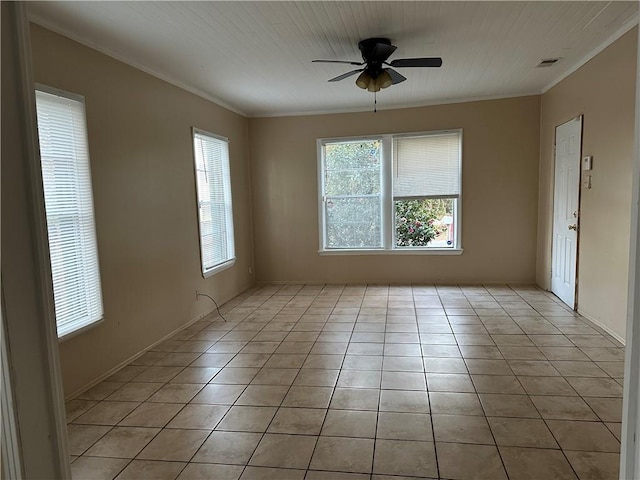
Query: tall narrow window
{"type": "Point", "coordinates": [213, 182]}
{"type": "Point", "coordinates": [352, 180]}
{"type": "Point", "coordinates": [66, 177]}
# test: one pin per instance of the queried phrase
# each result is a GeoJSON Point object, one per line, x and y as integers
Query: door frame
{"type": "Point", "coordinates": [579, 117]}
{"type": "Point", "coordinates": [630, 448]}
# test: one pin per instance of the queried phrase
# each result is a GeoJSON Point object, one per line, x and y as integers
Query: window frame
{"type": "Point", "coordinates": [228, 263]}
{"type": "Point", "coordinates": [387, 199]}
{"type": "Point", "coordinates": [81, 327]}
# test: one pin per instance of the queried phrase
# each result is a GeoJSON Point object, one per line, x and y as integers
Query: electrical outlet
{"type": "Point", "coordinates": [250, 270]}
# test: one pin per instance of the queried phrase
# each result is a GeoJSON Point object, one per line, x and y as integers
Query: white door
{"type": "Point", "coordinates": [565, 210]}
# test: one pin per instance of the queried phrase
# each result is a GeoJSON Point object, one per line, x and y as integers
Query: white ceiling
{"type": "Point", "coordinates": [256, 56]}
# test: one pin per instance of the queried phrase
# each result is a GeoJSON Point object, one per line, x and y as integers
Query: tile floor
{"type": "Point", "coordinates": [363, 382]}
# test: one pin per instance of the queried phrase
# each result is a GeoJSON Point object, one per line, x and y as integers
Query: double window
{"type": "Point", "coordinates": [215, 214]}
{"type": "Point", "coordinates": [391, 193]}
{"type": "Point", "coordinates": [66, 178]}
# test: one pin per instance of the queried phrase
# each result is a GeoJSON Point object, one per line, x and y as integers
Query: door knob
{"type": "Point", "coordinates": [573, 227]}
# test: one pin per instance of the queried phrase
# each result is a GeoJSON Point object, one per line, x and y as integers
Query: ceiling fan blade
{"type": "Point", "coordinates": [395, 76]}
{"type": "Point", "coordinates": [381, 52]}
{"type": "Point", "coordinates": [345, 75]}
{"type": "Point", "coordinates": [338, 61]}
{"type": "Point", "coordinates": [416, 62]}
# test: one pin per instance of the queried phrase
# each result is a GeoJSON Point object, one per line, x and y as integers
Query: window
{"type": "Point", "coordinates": [215, 214]}
{"type": "Point", "coordinates": [396, 193]}
{"type": "Point", "coordinates": [66, 178]}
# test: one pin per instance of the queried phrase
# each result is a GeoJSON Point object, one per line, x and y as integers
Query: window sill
{"type": "Point", "coordinates": [407, 251]}
{"type": "Point", "coordinates": [219, 268]}
{"type": "Point", "coordinates": [79, 330]}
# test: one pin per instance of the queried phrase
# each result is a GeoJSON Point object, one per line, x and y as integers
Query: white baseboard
{"type": "Point", "coordinates": [133, 357]}
{"type": "Point", "coordinates": [602, 326]}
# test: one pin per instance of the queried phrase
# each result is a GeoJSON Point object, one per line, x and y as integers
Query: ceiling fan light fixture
{"type": "Point", "coordinates": [384, 79]}
{"type": "Point", "coordinates": [363, 80]}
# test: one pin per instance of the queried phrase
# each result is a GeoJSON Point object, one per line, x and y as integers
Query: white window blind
{"type": "Point", "coordinates": [426, 166]}
{"type": "Point", "coordinates": [68, 197]}
{"type": "Point", "coordinates": [213, 182]}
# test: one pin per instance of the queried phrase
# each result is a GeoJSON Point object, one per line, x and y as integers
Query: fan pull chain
{"type": "Point", "coordinates": [375, 102]}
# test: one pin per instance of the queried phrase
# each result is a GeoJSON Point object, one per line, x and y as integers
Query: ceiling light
{"type": "Point", "coordinates": [363, 80]}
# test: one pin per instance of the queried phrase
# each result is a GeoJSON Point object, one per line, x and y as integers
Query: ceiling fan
{"type": "Point", "coordinates": [374, 75]}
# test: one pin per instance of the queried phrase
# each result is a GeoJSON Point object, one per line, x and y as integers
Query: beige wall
{"type": "Point", "coordinates": [603, 91]}
{"type": "Point", "coordinates": [500, 185]}
{"type": "Point", "coordinates": [144, 193]}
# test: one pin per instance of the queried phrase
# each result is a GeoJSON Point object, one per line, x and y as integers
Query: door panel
{"type": "Point", "coordinates": [565, 210]}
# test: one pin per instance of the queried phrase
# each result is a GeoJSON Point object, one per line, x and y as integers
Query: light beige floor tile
{"type": "Point", "coordinates": [497, 384]}
{"type": "Point", "coordinates": [536, 464]}
{"type": "Point", "coordinates": [608, 409]}
{"type": "Point", "coordinates": [177, 359]}
{"type": "Point", "coordinates": [158, 374]}
{"type": "Point", "coordinates": [350, 423]}
{"type": "Point", "coordinates": [583, 436]}
{"type": "Point", "coordinates": [213, 394]}
{"type": "Point", "coordinates": [123, 442]}
{"type": "Point", "coordinates": [100, 391]}
{"type": "Point", "coordinates": [569, 368]}
{"type": "Point", "coordinates": [247, 419]}
{"type": "Point", "coordinates": [480, 366]}
{"type": "Point", "coordinates": [359, 379]}
{"type": "Point", "coordinates": [595, 465]}
{"type": "Point", "coordinates": [322, 362]}
{"type": "Point", "coordinates": [563, 408]}
{"type": "Point", "coordinates": [498, 405]}
{"type": "Point", "coordinates": [174, 445]}
{"type": "Point", "coordinates": [556, 386]}
{"type": "Point", "coordinates": [106, 413]}
{"type": "Point", "coordinates": [355, 399]}
{"type": "Point", "coordinates": [461, 429]}
{"type": "Point", "coordinates": [151, 470]}
{"type": "Point", "coordinates": [403, 381]}
{"type": "Point", "coordinates": [199, 417]}
{"type": "Point", "coordinates": [218, 360]}
{"type": "Point", "coordinates": [396, 457]}
{"type": "Point", "coordinates": [75, 408]}
{"type": "Point", "coordinates": [521, 432]}
{"type": "Point", "coordinates": [284, 451]}
{"type": "Point", "coordinates": [96, 468]}
{"type": "Point", "coordinates": [134, 392]}
{"type": "Point", "coordinates": [235, 376]}
{"type": "Point", "coordinates": [596, 387]}
{"type": "Point", "coordinates": [205, 471]}
{"type": "Point", "coordinates": [234, 448]}
{"type": "Point", "coordinates": [404, 426]}
{"type": "Point", "coordinates": [310, 397]}
{"type": "Point", "coordinates": [195, 375]}
{"type": "Point", "coordinates": [480, 462]}
{"type": "Point", "coordinates": [317, 475]}
{"type": "Point", "coordinates": [362, 362]}
{"type": "Point", "coordinates": [269, 473]}
{"type": "Point", "coordinates": [404, 401]}
{"type": "Point", "coordinates": [275, 376]}
{"type": "Point", "coordinates": [81, 437]}
{"type": "Point", "coordinates": [444, 365]}
{"type": "Point", "coordinates": [263, 395]}
{"type": "Point", "coordinates": [303, 421]}
{"type": "Point", "coordinates": [481, 352]}
{"type": "Point", "coordinates": [343, 454]}
{"type": "Point", "coordinates": [151, 415]}
{"type": "Point", "coordinates": [455, 403]}
{"type": "Point", "coordinates": [440, 351]}
{"type": "Point", "coordinates": [311, 377]}
{"type": "Point", "coordinates": [450, 382]}
{"type": "Point", "coordinates": [176, 393]}
{"type": "Point", "coordinates": [536, 368]}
